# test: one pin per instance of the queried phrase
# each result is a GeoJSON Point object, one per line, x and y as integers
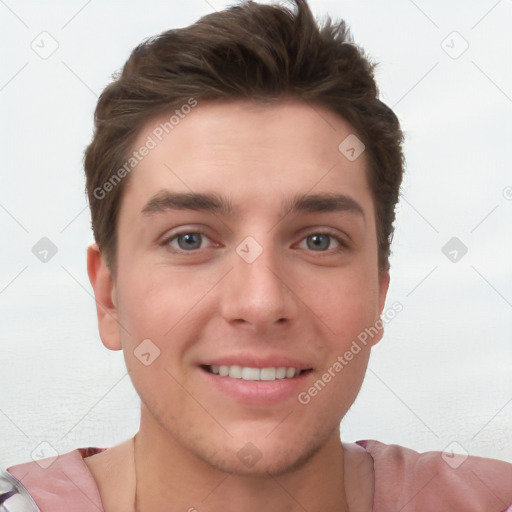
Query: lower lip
{"type": "Point", "coordinates": [258, 392]}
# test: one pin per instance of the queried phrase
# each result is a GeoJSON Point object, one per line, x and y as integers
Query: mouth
{"type": "Point", "coordinates": [255, 380]}
{"type": "Point", "coordinates": [246, 373]}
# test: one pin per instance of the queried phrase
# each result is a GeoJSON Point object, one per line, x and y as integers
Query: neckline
{"type": "Point", "coordinates": [83, 453]}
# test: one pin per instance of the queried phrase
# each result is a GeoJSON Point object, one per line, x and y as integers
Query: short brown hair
{"type": "Point", "coordinates": [248, 51]}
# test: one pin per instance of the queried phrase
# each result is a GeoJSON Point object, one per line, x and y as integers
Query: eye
{"type": "Point", "coordinates": [321, 242]}
{"type": "Point", "coordinates": [186, 241]}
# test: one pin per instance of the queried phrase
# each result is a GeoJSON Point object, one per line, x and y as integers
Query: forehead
{"type": "Point", "coordinates": [269, 149]}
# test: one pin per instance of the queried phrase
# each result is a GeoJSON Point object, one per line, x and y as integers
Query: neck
{"type": "Point", "coordinates": [170, 478]}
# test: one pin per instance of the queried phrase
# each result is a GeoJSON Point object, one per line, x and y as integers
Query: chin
{"type": "Point", "coordinates": [262, 458]}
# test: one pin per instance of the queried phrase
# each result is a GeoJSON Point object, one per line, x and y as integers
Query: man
{"type": "Point", "coordinates": [242, 180]}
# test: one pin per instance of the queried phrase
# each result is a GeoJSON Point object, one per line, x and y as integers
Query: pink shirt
{"type": "Point", "coordinates": [405, 481]}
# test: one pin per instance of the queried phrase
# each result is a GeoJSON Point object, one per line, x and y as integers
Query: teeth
{"type": "Point", "coordinates": [235, 372]}
{"type": "Point", "coordinates": [251, 374]}
{"type": "Point", "coordinates": [290, 372]}
{"type": "Point", "coordinates": [268, 374]}
{"type": "Point", "coordinates": [247, 373]}
{"type": "Point", "coordinates": [280, 372]}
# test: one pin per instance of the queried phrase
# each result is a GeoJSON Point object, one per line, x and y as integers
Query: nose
{"type": "Point", "coordinates": [257, 294]}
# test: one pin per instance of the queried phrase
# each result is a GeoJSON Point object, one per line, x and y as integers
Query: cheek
{"type": "Point", "coordinates": [335, 388]}
{"type": "Point", "coordinates": [153, 311]}
{"type": "Point", "coordinates": [152, 303]}
{"type": "Point", "coordinates": [163, 308]}
{"type": "Point", "coordinates": [346, 304]}
{"type": "Point", "coordinates": [350, 309]}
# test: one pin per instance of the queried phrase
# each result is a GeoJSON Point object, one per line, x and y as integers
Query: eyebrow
{"type": "Point", "coordinates": [214, 203]}
{"type": "Point", "coordinates": [323, 203]}
{"type": "Point", "coordinates": [167, 200]}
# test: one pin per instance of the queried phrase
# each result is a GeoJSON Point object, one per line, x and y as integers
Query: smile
{"type": "Point", "coordinates": [248, 373]}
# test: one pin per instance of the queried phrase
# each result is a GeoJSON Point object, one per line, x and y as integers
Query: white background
{"type": "Point", "coordinates": [441, 374]}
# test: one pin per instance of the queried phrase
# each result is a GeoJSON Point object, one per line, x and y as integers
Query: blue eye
{"type": "Point", "coordinates": [189, 241]}
{"type": "Point", "coordinates": [321, 242]}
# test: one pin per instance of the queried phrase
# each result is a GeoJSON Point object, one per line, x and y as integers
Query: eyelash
{"type": "Point", "coordinates": [198, 231]}
{"type": "Point", "coordinates": [342, 244]}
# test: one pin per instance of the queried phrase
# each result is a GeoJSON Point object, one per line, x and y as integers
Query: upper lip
{"type": "Point", "coordinates": [247, 361]}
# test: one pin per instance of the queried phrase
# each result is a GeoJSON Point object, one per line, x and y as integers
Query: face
{"type": "Point", "coordinates": [246, 245]}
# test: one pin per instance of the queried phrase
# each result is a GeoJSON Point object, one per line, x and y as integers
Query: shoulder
{"type": "Point", "coordinates": [61, 480]}
{"type": "Point", "coordinates": [441, 481]}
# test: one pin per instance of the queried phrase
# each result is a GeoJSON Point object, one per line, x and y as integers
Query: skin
{"type": "Point", "coordinates": [294, 299]}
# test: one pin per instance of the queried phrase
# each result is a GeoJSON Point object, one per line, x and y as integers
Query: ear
{"type": "Point", "coordinates": [106, 298]}
{"type": "Point", "coordinates": [383, 291]}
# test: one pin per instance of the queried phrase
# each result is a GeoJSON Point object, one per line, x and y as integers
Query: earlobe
{"type": "Point", "coordinates": [106, 298]}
